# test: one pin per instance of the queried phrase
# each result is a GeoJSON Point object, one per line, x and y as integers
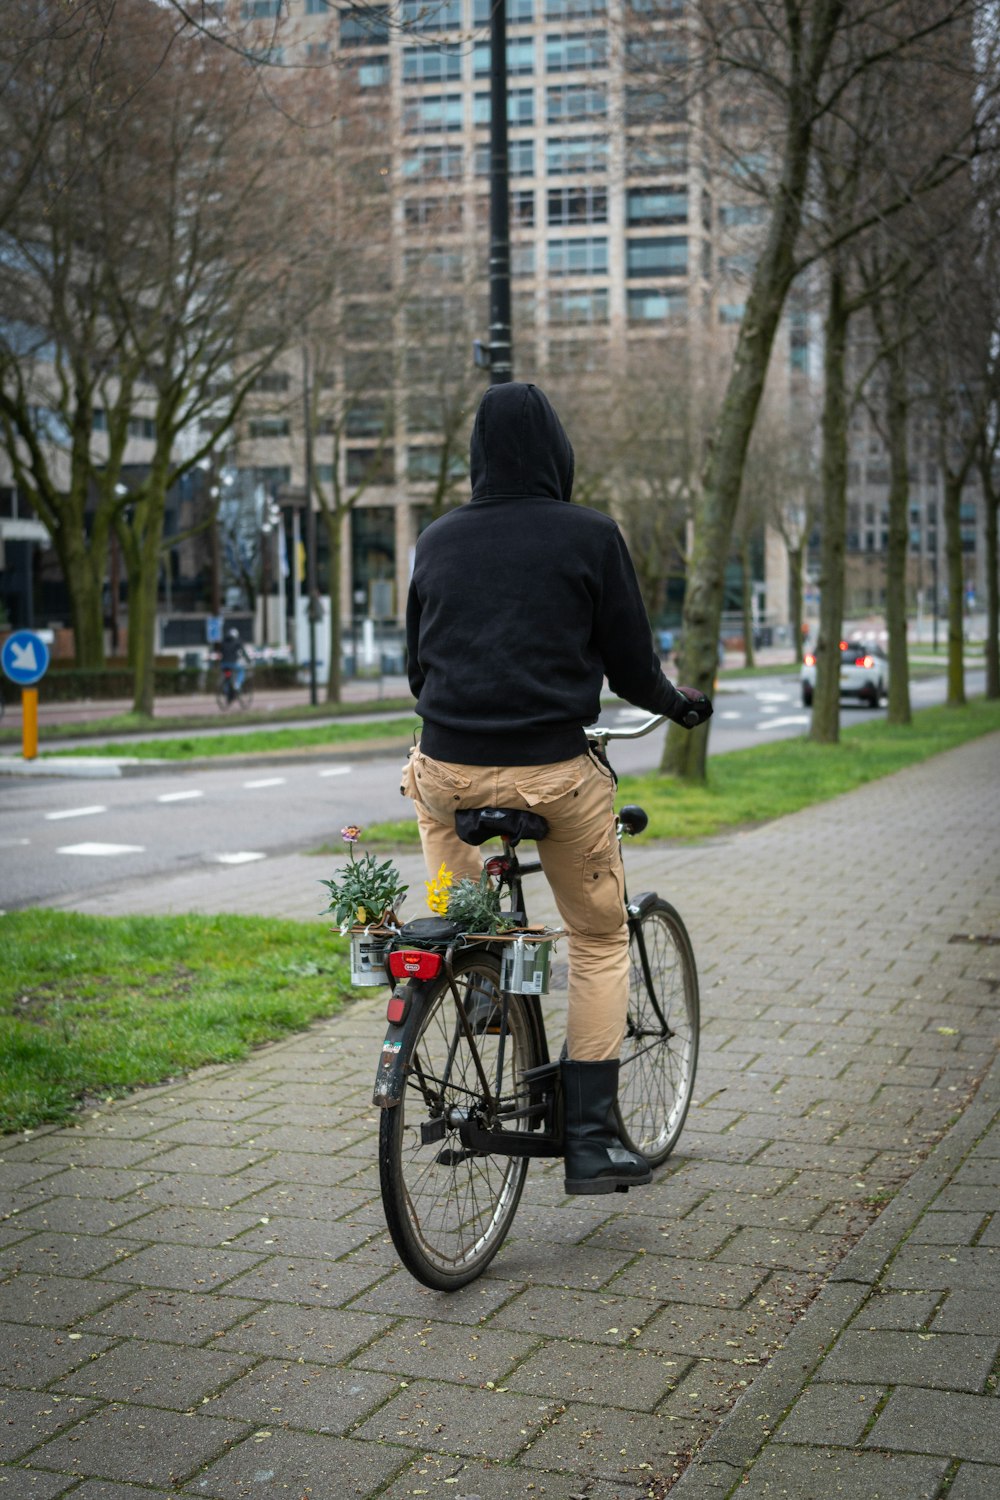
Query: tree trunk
{"type": "Point", "coordinates": [685, 752]}
{"type": "Point", "coordinates": [826, 695]}
{"type": "Point", "coordinates": [956, 588]}
{"type": "Point", "coordinates": [333, 520]}
{"type": "Point", "coordinates": [142, 591]}
{"type": "Point", "coordinates": [82, 560]}
{"type": "Point", "coordinates": [748, 660]}
{"type": "Point", "coordinates": [795, 606]}
{"type": "Point", "coordinates": [899, 539]}
{"type": "Point", "coordinates": [990, 498]}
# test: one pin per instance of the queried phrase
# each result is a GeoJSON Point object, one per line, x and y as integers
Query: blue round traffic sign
{"type": "Point", "coordinates": [25, 657]}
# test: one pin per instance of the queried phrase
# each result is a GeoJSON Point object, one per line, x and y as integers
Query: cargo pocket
{"type": "Point", "coordinates": [542, 785]}
{"type": "Point", "coordinates": [407, 777]}
{"type": "Point", "coordinates": [603, 890]}
{"type": "Point", "coordinates": [439, 785]}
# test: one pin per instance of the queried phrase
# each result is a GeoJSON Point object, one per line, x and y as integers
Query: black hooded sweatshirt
{"type": "Point", "coordinates": [521, 604]}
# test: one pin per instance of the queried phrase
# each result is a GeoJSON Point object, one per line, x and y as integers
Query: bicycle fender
{"type": "Point", "coordinates": [639, 905]}
{"type": "Point", "coordinates": [389, 1075]}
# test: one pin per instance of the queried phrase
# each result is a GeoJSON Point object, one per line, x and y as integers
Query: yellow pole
{"type": "Point", "coordinates": [29, 722]}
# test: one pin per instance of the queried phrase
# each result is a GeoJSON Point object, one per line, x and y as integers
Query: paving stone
{"type": "Point", "coordinates": [597, 1317]}
{"type": "Point", "coordinates": [318, 1283]}
{"type": "Point", "coordinates": [170, 1375]}
{"type": "Point", "coordinates": [400, 1296]}
{"type": "Point", "coordinates": [188, 1225]}
{"type": "Point", "coordinates": [444, 1418]}
{"type": "Point", "coordinates": [27, 1484]}
{"type": "Point", "coordinates": [976, 1312]}
{"type": "Point", "coordinates": [614, 1444]}
{"type": "Point", "coordinates": [587, 1267]}
{"type": "Point", "coordinates": [315, 1397]}
{"type": "Point", "coordinates": [197, 1189]}
{"type": "Point", "coordinates": [95, 1182]}
{"type": "Point", "coordinates": [56, 1301]}
{"type": "Point", "coordinates": [307, 1201]}
{"type": "Point", "coordinates": [712, 1283]}
{"type": "Point", "coordinates": [274, 1465]}
{"type": "Point", "coordinates": [948, 1361]}
{"type": "Point", "coordinates": [140, 1445]}
{"type": "Point", "coordinates": [975, 1482]}
{"type": "Point", "coordinates": [447, 1352]}
{"type": "Point", "coordinates": [34, 1357]}
{"type": "Point", "coordinates": [171, 1316]}
{"type": "Point", "coordinates": [946, 1229]}
{"type": "Point", "coordinates": [446, 1478]}
{"type": "Point", "coordinates": [903, 1310]}
{"type": "Point", "coordinates": [28, 1418]}
{"type": "Point", "coordinates": [830, 1414]}
{"type": "Point", "coordinates": [16, 1174]}
{"type": "Point", "coordinates": [183, 1266]}
{"type": "Point", "coordinates": [592, 1373]}
{"type": "Point", "coordinates": [321, 1335]}
{"type": "Point", "coordinates": [305, 1167]}
{"type": "Point", "coordinates": [320, 1238]}
{"type": "Point", "coordinates": [103, 1489]}
{"type": "Point", "coordinates": [958, 1426]}
{"type": "Point", "coordinates": [81, 1216]}
{"type": "Point", "coordinates": [925, 1267]}
{"type": "Point", "coordinates": [787, 1473]}
{"type": "Point", "coordinates": [683, 1238]}
{"type": "Point", "coordinates": [63, 1254]}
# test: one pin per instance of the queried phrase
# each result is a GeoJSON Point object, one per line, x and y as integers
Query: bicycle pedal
{"type": "Point", "coordinates": [451, 1158]}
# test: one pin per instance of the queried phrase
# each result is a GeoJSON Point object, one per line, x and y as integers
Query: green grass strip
{"type": "Point", "coordinates": [96, 1006]}
{"type": "Point", "coordinates": [767, 781]}
{"type": "Point", "coordinates": [255, 742]}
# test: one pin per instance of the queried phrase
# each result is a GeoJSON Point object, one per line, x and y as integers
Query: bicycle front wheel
{"type": "Point", "coordinates": [245, 692]}
{"type": "Point", "coordinates": [449, 1207]}
{"type": "Point", "coordinates": [660, 1051]}
{"type": "Point", "coordinates": [224, 695]}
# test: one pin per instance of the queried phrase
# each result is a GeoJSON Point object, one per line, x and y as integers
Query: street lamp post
{"type": "Point", "coordinates": [314, 609]}
{"type": "Point", "coordinates": [497, 354]}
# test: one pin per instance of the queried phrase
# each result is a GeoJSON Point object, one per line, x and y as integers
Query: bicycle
{"type": "Point", "coordinates": [467, 1091]}
{"type": "Point", "coordinates": [229, 691]}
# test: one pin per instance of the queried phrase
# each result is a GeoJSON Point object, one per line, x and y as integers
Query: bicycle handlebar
{"type": "Point", "coordinates": [605, 732]}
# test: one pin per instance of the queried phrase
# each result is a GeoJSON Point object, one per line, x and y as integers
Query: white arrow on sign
{"type": "Point", "coordinates": [23, 658]}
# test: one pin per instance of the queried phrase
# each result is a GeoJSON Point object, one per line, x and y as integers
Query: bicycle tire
{"type": "Point", "coordinates": [245, 693]}
{"type": "Point", "coordinates": [224, 696]}
{"type": "Point", "coordinates": [657, 1071]}
{"type": "Point", "coordinates": [448, 1209]}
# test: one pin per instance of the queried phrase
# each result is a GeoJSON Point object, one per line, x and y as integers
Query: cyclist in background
{"type": "Point", "coordinates": [519, 606]}
{"type": "Point", "coordinates": [232, 657]}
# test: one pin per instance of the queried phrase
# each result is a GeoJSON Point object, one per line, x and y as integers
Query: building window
{"type": "Point", "coordinates": [269, 427]}
{"type": "Point", "coordinates": [260, 10]}
{"type": "Point", "coordinates": [522, 207]}
{"type": "Point", "coordinates": [655, 104]}
{"type": "Point", "coordinates": [522, 260]}
{"type": "Point", "coordinates": [368, 418]}
{"type": "Point", "coordinates": [428, 162]}
{"type": "Point", "coordinates": [437, 213]}
{"type": "Point", "coordinates": [731, 312]}
{"type": "Point", "coordinates": [734, 214]}
{"type": "Point", "coordinates": [370, 466]}
{"type": "Point", "coordinates": [439, 315]}
{"type": "Point", "coordinates": [583, 257]}
{"type": "Point", "coordinates": [317, 7]}
{"type": "Point", "coordinates": [442, 263]}
{"type": "Point", "coordinates": [578, 205]}
{"type": "Point", "coordinates": [423, 465]}
{"type": "Point", "coordinates": [574, 10]}
{"type": "Point", "coordinates": [520, 159]}
{"type": "Point", "coordinates": [567, 102]}
{"type": "Point", "coordinates": [442, 15]}
{"type": "Point", "coordinates": [519, 12]}
{"type": "Point", "coordinates": [364, 26]}
{"type": "Point", "coordinates": [648, 156]}
{"type": "Point", "coordinates": [654, 52]}
{"type": "Point", "coordinates": [431, 64]}
{"type": "Point", "coordinates": [520, 108]}
{"type": "Point", "coordinates": [579, 307]}
{"type": "Point", "coordinates": [656, 257]}
{"type": "Point", "coordinates": [317, 52]}
{"type": "Point", "coordinates": [370, 72]}
{"type": "Point", "coordinates": [273, 381]}
{"type": "Point", "coordinates": [576, 51]}
{"type": "Point", "coordinates": [655, 205]}
{"type": "Point", "coordinates": [98, 419]}
{"type": "Point", "coordinates": [655, 304]}
{"type": "Point", "coordinates": [520, 58]}
{"type": "Point", "coordinates": [433, 112]}
{"type": "Point", "coordinates": [576, 153]}
{"type": "Point", "coordinates": [142, 427]}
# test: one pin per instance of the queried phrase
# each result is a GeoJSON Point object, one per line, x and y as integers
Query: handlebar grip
{"type": "Point", "coordinates": [692, 719]}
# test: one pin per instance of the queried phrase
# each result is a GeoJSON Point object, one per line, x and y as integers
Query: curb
{"type": "Point", "coordinates": [100, 768]}
{"type": "Point", "coordinates": [719, 1467]}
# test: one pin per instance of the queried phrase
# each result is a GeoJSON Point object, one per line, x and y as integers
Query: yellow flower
{"type": "Point", "coordinates": [437, 891]}
{"type": "Point", "coordinates": [362, 914]}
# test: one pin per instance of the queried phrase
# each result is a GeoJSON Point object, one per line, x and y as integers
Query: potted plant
{"type": "Point", "coordinates": [364, 895]}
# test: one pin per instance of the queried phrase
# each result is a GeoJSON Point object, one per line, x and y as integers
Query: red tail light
{"type": "Point", "coordinates": [412, 963]}
{"type": "Point", "coordinates": [864, 661]}
{"type": "Point", "coordinates": [810, 660]}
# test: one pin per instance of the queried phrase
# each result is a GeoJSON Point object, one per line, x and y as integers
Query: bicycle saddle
{"type": "Point", "coordinates": [474, 825]}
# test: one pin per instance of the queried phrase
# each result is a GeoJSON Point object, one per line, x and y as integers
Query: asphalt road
{"type": "Point", "coordinates": [60, 837]}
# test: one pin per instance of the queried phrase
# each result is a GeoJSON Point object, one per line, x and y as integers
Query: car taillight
{"type": "Point", "coordinates": [412, 963]}
{"type": "Point", "coordinates": [864, 661]}
{"type": "Point", "coordinates": [810, 660]}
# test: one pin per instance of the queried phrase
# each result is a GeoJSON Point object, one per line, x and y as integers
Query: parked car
{"type": "Point", "coordinates": [864, 673]}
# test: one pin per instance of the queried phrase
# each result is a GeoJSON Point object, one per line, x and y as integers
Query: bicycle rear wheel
{"type": "Point", "coordinates": [660, 1051]}
{"type": "Point", "coordinates": [224, 693]}
{"type": "Point", "coordinates": [449, 1208]}
{"type": "Point", "coordinates": [245, 692]}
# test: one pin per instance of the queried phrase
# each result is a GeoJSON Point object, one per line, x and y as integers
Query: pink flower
{"type": "Point", "coordinates": [351, 833]}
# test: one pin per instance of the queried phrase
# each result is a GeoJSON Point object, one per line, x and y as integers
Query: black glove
{"type": "Point", "coordinates": [692, 708]}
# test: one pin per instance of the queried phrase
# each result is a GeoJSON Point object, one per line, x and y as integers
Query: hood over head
{"type": "Point", "coordinates": [519, 446]}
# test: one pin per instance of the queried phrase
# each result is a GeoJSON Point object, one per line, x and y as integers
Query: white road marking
{"type": "Point", "coordinates": [730, 713]}
{"type": "Point", "coordinates": [242, 857]}
{"type": "Point", "coordinates": [267, 781]}
{"type": "Point", "coordinates": [13, 843]}
{"type": "Point", "coordinates": [624, 714]}
{"type": "Point", "coordinates": [101, 849]}
{"type": "Point", "coordinates": [773, 697]}
{"type": "Point", "coordinates": [178, 796]}
{"type": "Point", "coordinates": [76, 812]}
{"type": "Point", "coordinates": [780, 723]}
{"type": "Point", "coordinates": [337, 771]}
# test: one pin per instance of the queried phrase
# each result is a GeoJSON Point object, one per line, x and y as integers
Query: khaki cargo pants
{"type": "Point", "coordinates": [582, 863]}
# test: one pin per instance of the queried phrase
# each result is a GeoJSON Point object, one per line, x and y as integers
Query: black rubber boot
{"type": "Point", "coordinates": [597, 1161]}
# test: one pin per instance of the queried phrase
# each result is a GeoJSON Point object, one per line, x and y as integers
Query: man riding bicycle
{"type": "Point", "coordinates": [520, 605]}
{"type": "Point", "coordinates": [232, 657]}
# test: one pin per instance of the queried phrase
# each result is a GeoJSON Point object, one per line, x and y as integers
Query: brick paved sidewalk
{"type": "Point", "coordinates": [200, 1299]}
